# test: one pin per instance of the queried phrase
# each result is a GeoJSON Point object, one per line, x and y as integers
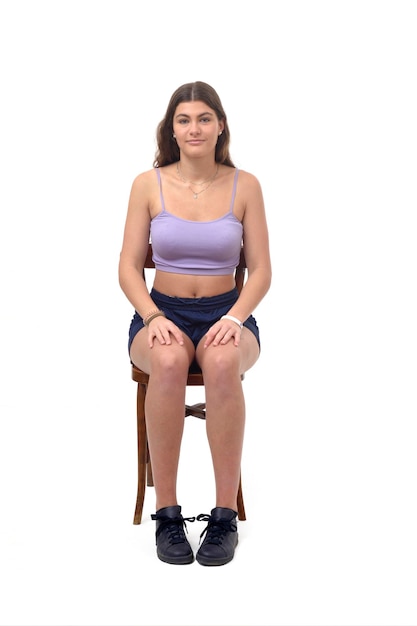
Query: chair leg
{"type": "Point", "coordinates": [240, 504]}
{"type": "Point", "coordinates": [142, 452]}
{"type": "Point", "coordinates": [149, 476]}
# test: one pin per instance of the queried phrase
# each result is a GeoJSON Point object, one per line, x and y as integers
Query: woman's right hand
{"type": "Point", "coordinates": [161, 329]}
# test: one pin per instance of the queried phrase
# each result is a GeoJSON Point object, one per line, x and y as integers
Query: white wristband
{"type": "Point", "coordinates": [233, 319]}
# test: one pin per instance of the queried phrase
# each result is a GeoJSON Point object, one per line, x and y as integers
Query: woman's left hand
{"type": "Point", "coordinates": [222, 332]}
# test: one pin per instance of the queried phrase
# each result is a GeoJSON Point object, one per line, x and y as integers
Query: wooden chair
{"type": "Point", "coordinates": [196, 410]}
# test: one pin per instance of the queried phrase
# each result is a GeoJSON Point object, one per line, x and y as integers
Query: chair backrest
{"type": "Point", "coordinates": [240, 272]}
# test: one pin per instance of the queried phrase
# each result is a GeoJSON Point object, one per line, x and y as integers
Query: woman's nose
{"type": "Point", "coordinates": [194, 128]}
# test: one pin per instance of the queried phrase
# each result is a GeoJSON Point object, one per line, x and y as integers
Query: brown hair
{"type": "Point", "coordinates": [168, 151]}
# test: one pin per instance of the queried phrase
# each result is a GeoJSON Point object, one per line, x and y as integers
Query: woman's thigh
{"type": "Point", "coordinates": [143, 356]}
{"type": "Point", "coordinates": [247, 352]}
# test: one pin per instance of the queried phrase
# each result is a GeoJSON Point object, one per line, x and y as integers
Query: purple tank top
{"type": "Point", "coordinates": [205, 248]}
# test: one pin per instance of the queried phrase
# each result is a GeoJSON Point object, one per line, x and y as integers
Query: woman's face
{"type": "Point", "coordinates": [196, 128]}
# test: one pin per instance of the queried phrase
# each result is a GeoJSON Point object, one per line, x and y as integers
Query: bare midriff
{"type": "Point", "coordinates": [192, 286]}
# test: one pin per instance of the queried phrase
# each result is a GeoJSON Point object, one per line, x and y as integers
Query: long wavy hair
{"type": "Point", "coordinates": [167, 151]}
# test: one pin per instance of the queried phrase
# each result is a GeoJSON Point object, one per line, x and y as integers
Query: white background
{"type": "Point", "coordinates": [321, 99]}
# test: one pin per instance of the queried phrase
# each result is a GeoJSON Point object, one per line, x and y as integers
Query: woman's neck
{"type": "Point", "coordinates": [196, 171]}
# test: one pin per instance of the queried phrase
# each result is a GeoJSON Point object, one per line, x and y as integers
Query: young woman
{"type": "Point", "coordinates": [198, 210]}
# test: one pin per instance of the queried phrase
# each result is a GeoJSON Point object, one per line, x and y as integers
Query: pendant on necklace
{"type": "Point", "coordinates": [196, 196]}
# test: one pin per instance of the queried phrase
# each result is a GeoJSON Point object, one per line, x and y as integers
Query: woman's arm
{"type": "Point", "coordinates": [256, 247]}
{"type": "Point", "coordinates": [135, 244]}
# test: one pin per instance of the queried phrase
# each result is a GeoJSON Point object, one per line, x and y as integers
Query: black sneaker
{"type": "Point", "coordinates": [171, 543]}
{"type": "Point", "coordinates": [218, 547]}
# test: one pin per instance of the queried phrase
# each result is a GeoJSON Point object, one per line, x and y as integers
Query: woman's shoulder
{"type": "Point", "coordinates": [248, 179]}
{"type": "Point", "coordinates": [145, 182]}
{"type": "Point", "coordinates": [150, 177]}
{"type": "Point", "coordinates": [243, 175]}
{"type": "Point", "coordinates": [145, 177]}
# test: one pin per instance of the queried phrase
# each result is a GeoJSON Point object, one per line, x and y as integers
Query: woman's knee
{"type": "Point", "coordinates": [221, 364]}
{"type": "Point", "coordinates": [170, 362]}
{"type": "Point", "coordinates": [166, 358]}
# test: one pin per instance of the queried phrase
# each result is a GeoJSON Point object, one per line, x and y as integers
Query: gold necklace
{"type": "Point", "coordinates": [190, 182]}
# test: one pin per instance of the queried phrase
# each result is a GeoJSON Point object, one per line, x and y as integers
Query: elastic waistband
{"type": "Point", "coordinates": [161, 300]}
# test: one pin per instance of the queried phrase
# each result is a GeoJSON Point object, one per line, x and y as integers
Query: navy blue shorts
{"type": "Point", "coordinates": [194, 316]}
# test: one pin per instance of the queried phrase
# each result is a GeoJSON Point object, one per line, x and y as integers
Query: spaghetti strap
{"type": "Point", "coordinates": [234, 191]}
{"type": "Point", "coordinates": [158, 173]}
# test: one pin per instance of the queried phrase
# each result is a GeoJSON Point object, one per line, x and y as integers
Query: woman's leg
{"type": "Point", "coordinates": [222, 367]}
{"type": "Point", "coordinates": [164, 408]}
